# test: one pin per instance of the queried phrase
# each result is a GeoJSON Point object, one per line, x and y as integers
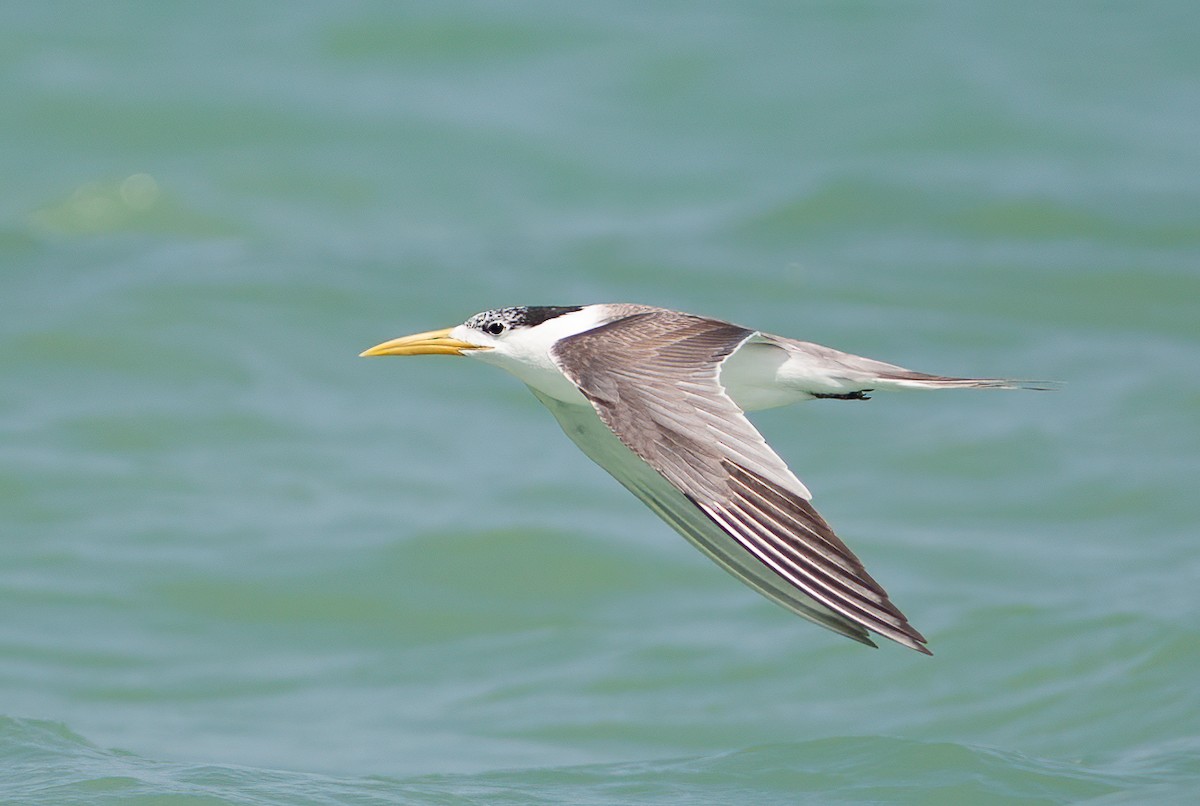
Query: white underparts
{"type": "Point", "coordinates": [760, 375]}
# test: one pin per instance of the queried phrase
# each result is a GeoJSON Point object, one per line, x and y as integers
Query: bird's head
{"type": "Point", "coordinates": [517, 339]}
{"type": "Point", "coordinates": [506, 331]}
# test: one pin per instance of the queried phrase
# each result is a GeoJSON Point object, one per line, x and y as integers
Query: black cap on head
{"type": "Point", "coordinates": [518, 316]}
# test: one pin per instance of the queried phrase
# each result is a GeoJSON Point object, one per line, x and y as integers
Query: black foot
{"type": "Point", "coordinates": [846, 396]}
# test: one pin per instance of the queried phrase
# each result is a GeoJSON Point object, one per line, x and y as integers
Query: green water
{"type": "Point", "coordinates": [239, 565]}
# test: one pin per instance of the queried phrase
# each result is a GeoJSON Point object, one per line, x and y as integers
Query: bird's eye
{"type": "Point", "coordinates": [495, 328]}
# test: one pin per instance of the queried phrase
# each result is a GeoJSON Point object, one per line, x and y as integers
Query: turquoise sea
{"type": "Point", "coordinates": [239, 565]}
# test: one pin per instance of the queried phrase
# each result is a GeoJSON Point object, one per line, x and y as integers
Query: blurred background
{"type": "Point", "coordinates": [239, 564]}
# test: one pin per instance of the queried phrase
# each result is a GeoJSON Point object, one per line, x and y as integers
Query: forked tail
{"type": "Point", "coordinates": [907, 379]}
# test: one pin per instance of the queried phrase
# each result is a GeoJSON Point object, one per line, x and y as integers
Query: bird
{"type": "Point", "coordinates": [658, 398]}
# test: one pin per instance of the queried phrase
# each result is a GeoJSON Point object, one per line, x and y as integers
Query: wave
{"type": "Point", "coordinates": [46, 762]}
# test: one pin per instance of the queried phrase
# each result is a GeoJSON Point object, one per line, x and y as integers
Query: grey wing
{"type": "Point", "coordinates": [598, 442]}
{"type": "Point", "coordinates": [653, 380]}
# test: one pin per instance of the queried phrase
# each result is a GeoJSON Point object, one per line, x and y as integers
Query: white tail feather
{"type": "Point", "coordinates": [917, 380]}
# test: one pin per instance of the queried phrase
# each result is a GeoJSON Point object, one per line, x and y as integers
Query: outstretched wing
{"type": "Point", "coordinates": [653, 380]}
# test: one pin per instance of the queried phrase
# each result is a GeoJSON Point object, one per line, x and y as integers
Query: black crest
{"type": "Point", "coordinates": [518, 316]}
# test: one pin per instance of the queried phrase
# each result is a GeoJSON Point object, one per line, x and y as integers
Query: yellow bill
{"type": "Point", "coordinates": [434, 342]}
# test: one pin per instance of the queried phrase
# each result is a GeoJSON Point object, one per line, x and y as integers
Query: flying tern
{"type": "Point", "coordinates": [658, 399]}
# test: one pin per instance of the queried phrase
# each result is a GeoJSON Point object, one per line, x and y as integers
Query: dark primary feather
{"type": "Point", "coordinates": [653, 379]}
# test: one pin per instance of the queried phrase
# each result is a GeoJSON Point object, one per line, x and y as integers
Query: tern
{"type": "Point", "coordinates": [658, 399]}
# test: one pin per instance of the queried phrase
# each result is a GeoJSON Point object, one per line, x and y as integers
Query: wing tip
{"type": "Point", "coordinates": [909, 637]}
{"type": "Point", "coordinates": [915, 641]}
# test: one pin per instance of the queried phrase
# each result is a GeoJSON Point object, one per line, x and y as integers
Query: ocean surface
{"type": "Point", "coordinates": [239, 565]}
